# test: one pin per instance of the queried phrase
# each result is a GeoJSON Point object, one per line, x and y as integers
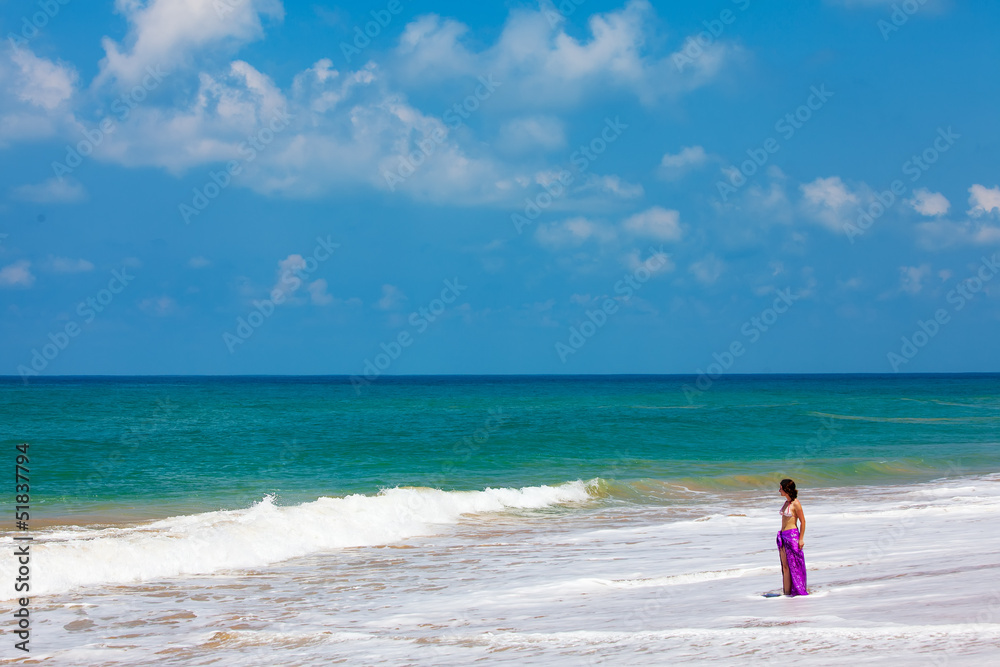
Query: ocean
{"type": "Point", "coordinates": [522, 520]}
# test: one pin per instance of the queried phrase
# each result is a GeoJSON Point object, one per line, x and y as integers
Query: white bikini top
{"type": "Point", "coordinates": [786, 509]}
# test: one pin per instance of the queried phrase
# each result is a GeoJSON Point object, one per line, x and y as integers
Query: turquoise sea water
{"type": "Point", "coordinates": [159, 446]}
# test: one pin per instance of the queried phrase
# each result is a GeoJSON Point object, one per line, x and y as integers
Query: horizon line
{"type": "Point", "coordinates": [444, 375]}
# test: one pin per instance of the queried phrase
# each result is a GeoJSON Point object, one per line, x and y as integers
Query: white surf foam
{"type": "Point", "coordinates": [262, 534]}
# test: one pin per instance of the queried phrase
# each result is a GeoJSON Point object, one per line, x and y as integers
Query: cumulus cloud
{"type": "Point", "coordinates": [675, 165]}
{"type": "Point", "coordinates": [532, 133]}
{"type": "Point", "coordinates": [983, 200]}
{"type": "Point", "coordinates": [215, 126]}
{"type": "Point", "coordinates": [573, 233]}
{"type": "Point", "coordinates": [929, 203]}
{"type": "Point", "coordinates": [612, 184]}
{"type": "Point", "coordinates": [392, 297]}
{"type": "Point", "coordinates": [168, 34]}
{"type": "Point", "coordinates": [548, 67]}
{"type": "Point", "coordinates": [344, 129]}
{"type": "Point", "coordinates": [17, 274]}
{"type": "Point", "coordinates": [708, 269]}
{"type": "Point", "coordinates": [830, 202]}
{"type": "Point", "coordinates": [655, 223]}
{"type": "Point", "coordinates": [43, 83]}
{"type": "Point", "coordinates": [288, 279]}
{"type": "Point", "coordinates": [35, 95]}
{"type": "Point", "coordinates": [318, 294]}
{"type": "Point", "coordinates": [52, 191]}
{"type": "Point", "coordinates": [911, 278]}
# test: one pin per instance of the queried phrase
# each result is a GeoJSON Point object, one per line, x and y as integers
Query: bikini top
{"type": "Point", "coordinates": [786, 509]}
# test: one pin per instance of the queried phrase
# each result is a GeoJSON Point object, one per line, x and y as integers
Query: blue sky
{"type": "Point", "coordinates": [257, 186]}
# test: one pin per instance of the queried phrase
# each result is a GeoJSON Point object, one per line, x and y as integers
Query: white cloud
{"type": "Point", "coordinates": [198, 262]}
{"type": "Point", "coordinates": [392, 297]}
{"type": "Point", "coordinates": [54, 190]}
{"type": "Point", "coordinates": [532, 133]}
{"type": "Point", "coordinates": [614, 185]}
{"type": "Point", "coordinates": [214, 127]}
{"type": "Point", "coordinates": [655, 223]}
{"type": "Point", "coordinates": [548, 67]}
{"type": "Point", "coordinates": [17, 274]}
{"type": "Point", "coordinates": [983, 199]}
{"type": "Point", "coordinates": [572, 233]}
{"type": "Point", "coordinates": [355, 128]}
{"type": "Point", "coordinates": [288, 278]}
{"type": "Point", "coordinates": [344, 130]}
{"type": "Point", "coordinates": [43, 83]}
{"type": "Point", "coordinates": [708, 269]}
{"type": "Point", "coordinates": [830, 202]}
{"type": "Point", "coordinates": [35, 96]}
{"type": "Point", "coordinates": [167, 34]}
{"type": "Point", "coordinates": [688, 156]}
{"type": "Point", "coordinates": [911, 278]}
{"type": "Point", "coordinates": [318, 294]}
{"type": "Point", "coordinates": [67, 265]}
{"type": "Point", "coordinates": [929, 203]}
{"type": "Point", "coordinates": [675, 165]}
{"type": "Point", "coordinates": [829, 192]}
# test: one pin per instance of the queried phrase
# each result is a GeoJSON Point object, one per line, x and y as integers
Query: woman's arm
{"type": "Point", "coordinates": [801, 516]}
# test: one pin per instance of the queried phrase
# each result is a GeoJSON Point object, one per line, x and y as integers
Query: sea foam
{"type": "Point", "coordinates": [262, 534]}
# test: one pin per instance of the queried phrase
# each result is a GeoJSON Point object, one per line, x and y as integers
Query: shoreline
{"type": "Point", "coordinates": [678, 493]}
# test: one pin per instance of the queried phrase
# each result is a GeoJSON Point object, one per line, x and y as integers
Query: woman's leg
{"type": "Point", "coordinates": [786, 575]}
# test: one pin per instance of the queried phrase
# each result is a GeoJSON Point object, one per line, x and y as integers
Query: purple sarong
{"type": "Point", "coordinates": [789, 541]}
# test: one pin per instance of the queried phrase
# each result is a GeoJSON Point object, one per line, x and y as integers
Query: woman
{"type": "Point", "coordinates": [791, 540]}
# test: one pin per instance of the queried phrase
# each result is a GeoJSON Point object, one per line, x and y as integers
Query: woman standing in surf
{"type": "Point", "coordinates": [791, 540]}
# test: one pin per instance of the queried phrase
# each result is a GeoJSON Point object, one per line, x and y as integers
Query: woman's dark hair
{"type": "Point", "coordinates": [788, 486]}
